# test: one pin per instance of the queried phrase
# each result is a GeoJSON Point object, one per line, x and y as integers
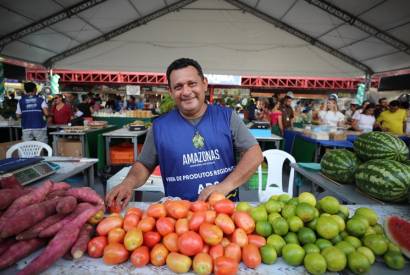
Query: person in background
{"type": "Point", "coordinates": [287, 112]}
{"type": "Point", "coordinates": [264, 112]}
{"type": "Point", "coordinates": [276, 120]}
{"type": "Point", "coordinates": [394, 119]}
{"type": "Point", "coordinates": [32, 109]}
{"type": "Point", "coordinates": [140, 104]}
{"type": "Point", "coordinates": [251, 109]}
{"type": "Point", "coordinates": [131, 104]}
{"type": "Point", "coordinates": [365, 121]}
{"type": "Point", "coordinates": [298, 118]}
{"type": "Point", "coordinates": [331, 117]}
{"type": "Point", "coordinates": [118, 104]}
{"type": "Point", "coordinates": [350, 113]}
{"type": "Point", "coordinates": [85, 106]}
{"type": "Point", "coordinates": [381, 107]}
{"type": "Point", "coordinates": [60, 111]}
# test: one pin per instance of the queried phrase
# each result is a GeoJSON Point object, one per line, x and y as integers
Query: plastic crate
{"type": "Point", "coordinates": [123, 153]}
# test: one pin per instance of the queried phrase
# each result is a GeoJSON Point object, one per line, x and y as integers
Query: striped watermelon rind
{"type": "Point", "coordinates": [397, 230]}
{"type": "Point", "coordinates": [379, 145]}
{"type": "Point", "coordinates": [339, 165]}
{"type": "Point", "coordinates": [386, 180]}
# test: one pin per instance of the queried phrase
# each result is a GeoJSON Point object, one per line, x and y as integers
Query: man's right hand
{"type": "Point", "coordinates": [120, 195]}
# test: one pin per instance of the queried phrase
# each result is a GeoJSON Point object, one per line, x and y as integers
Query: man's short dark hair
{"type": "Point", "coordinates": [183, 63]}
{"type": "Point", "coordinates": [394, 103]}
{"type": "Point", "coordinates": [381, 99]}
{"type": "Point", "coordinates": [84, 97]}
{"type": "Point", "coordinates": [30, 87]}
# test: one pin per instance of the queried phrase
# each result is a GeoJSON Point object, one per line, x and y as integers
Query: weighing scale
{"type": "Point", "coordinates": [27, 170]}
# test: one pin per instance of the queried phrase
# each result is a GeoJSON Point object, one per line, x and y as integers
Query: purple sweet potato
{"type": "Point", "coordinates": [60, 186]}
{"type": "Point", "coordinates": [55, 194]}
{"type": "Point", "coordinates": [36, 229]}
{"type": "Point", "coordinates": [60, 244]}
{"type": "Point", "coordinates": [53, 229]}
{"type": "Point", "coordinates": [7, 196]}
{"type": "Point", "coordinates": [80, 245]}
{"type": "Point", "coordinates": [18, 251]}
{"type": "Point", "coordinates": [5, 244]}
{"type": "Point", "coordinates": [66, 205]}
{"type": "Point", "coordinates": [27, 217]}
{"type": "Point", "coordinates": [9, 181]}
{"type": "Point", "coordinates": [85, 194]}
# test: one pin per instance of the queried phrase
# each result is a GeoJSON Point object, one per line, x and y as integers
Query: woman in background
{"type": "Point", "coordinates": [60, 111]}
{"type": "Point", "coordinates": [276, 120]}
{"type": "Point", "coordinates": [331, 117]}
{"type": "Point", "coordinates": [365, 121]}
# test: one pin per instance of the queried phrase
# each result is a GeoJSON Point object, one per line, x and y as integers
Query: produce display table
{"type": "Point", "coordinates": [121, 121]}
{"type": "Point", "coordinates": [266, 136]}
{"type": "Point", "coordinates": [87, 265]}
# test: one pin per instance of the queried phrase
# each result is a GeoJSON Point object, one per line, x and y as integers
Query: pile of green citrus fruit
{"type": "Point", "coordinates": [321, 235]}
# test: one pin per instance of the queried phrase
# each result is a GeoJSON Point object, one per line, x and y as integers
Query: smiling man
{"type": "Point", "coordinates": [194, 144]}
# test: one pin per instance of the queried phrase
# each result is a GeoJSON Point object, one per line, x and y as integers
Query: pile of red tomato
{"type": "Point", "coordinates": [205, 236]}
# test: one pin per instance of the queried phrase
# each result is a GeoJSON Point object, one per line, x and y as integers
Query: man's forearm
{"type": "Point", "coordinates": [137, 175]}
{"type": "Point", "coordinates": [248, 164]}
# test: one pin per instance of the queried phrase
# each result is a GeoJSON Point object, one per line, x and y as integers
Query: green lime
{"type": "Point", "coordinates": [346, 247]}
{"type": "Point", "coordinates": [277, 242]}
{"type": "Point", "coordinates": [311, 248]}
{"type": "Point", "coordinates": [315, 263]}
{"type": "Point", "coordinates": [273, 216]}
{"type": "Point", "coordinates": [362, 218]}
{"type": "Point", "coordinates": [306, 235]}
{"type": "Point", "coordinates": [305, 211]}
{"type": "Point", "coordinates": [293, 201]}
{"type": "Point", "coordinates": [340, 222]}
{"type": "Point", "coordinates": [353, 241]}
{"type": "Point", "coordinates": [312, 224]}
{"type": "Point", "coordinates": [356, 227]}
{"type": "Point", "coordinates": [358, 263]}
{"type": "Point", "coordinates": [295, 223]}
{"type": "Point", "coordinates": [344, 234]}
{"type": "Point", "coordinates": [378, 228]}
{"type": "Point", "coordinates": [394, 247]}
{"type": "Point", "coordinates": [370, 230]}
{"type": "Point", "coordinates": [327, 227]}
{"type": "Point", "coordinates": [329, 205]}
{"type": "Point", "coordinates": [280, 226]}
{"type": "Point", "coordinates": [369, 214]}
{"type": "Point", "coordinates": [268, 253]}
{"type": "Point", "coordinates": [291, 237]}
{"type": "Point", "coordinates": [344, 210]}
{"type": "Point", "coordinates": [337, 239]}
{"type": "Point", "coordinates": [394, 260]}
{"type": "Point", "coordinates": [243, 206]}
{"type": "Point", "coordinates": [323, 243]}
{"type": "Point", "coordinates": [259, 213]}
{"type": "Point", "coordinates": [377, 243]}
{"type": "Point", "coordinates": [274, 197]}
{"type": "Point", "coordinates": [307, 198]}
{"type": "Point", "coordinates": [284, 197]}
{"type": "Point", "coordinates": [293, 254]}
{"type": "Point", "coordinates": [288, 211]}
{"type": "Point", "coordinates": [317, 213]}
{"type": "Point", "coordinates": [368, 253]}
{"type": "Point", "coordinates": [273, 206]}
{"type": "Point", "coordinates": [335, 259]}
{"type": "Point", "coordinates": [263, 228]}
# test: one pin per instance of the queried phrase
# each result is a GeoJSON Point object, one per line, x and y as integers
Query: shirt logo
{"type": "Point", "coordinates": [198, 141]}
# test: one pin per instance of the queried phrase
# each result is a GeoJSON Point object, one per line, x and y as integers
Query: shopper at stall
{"type": "Point", "coordinates": [276, 120]}
{"type": "Point", "coordinates": [287, 112]}
{"type": "Point", "coordinates": [61, 112]}
{"type": "Point", "coordinates": [194, 144]}
{"type": "Point", "coordinates": [32, 109]}
{"type": "Point", "coordinates": [131, 103]}
{"type": "Point", "coordinates": [381, 107]}
{"type": "Point", "coordinates": [365, 121]}
{"type": "Point", "coordinates": [331, 117]}
{"type": "Point", "coordinates": [350, 113]}
{"type": "Point", "coordinates": [263, 113]}
{"type": "Point", "coordinates": [393, 120]}
{"type": "Point", "coordinates": [85, 106]}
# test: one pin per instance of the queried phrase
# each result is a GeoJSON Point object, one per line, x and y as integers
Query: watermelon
{"type": "Point", "coordinates": [397, 230]}
{"type": "Point", "coordinates": [379, 145]}
{"type": "Point", "coordinates": [339, 165]}
{"type": "Point", "coordinates": [386, 180]}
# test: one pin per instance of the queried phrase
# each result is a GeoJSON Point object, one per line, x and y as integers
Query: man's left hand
{"type": "Point", "coordinates": [221, 188]}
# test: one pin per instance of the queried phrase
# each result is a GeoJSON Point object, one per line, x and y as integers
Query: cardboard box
{"type": "Point", "coordinates": [338, 136]}
{"type": "Point", "coordinates": [4, 146]}
{"type": "Point", "coordinates": [69, 148]}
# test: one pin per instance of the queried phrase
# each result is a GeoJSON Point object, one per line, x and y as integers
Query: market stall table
{"type": "Point", "coordinates": [13, 127]}
{"type": "Point", "coordinates": [87, 265]}
{"type": "Point", "coordinates": [121, 121]}
{"type": "Point", "coordinates": [265, 135]}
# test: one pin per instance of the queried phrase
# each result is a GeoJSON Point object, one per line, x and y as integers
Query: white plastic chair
{"type": "Point", "coordinates": [275, 159]}
{"type": "Point", "coordinates": [28, 149]}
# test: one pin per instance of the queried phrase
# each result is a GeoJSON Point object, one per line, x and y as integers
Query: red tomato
{"type": "Point", "coordinates": [210, 233]}
{"type": "Point", "coordinates": [197, 219]}
{"type": "Point", "coordinates": [190, 214]}
{"type": "Point", "coordinates": [205, 249]}
{"type": "Point", "coordinates": [133, 239]}
{"type": "Point", "coordinates": [214, 197]}
{"type": "Point", "coordinates": [135, 210]}
{"type": "Point", "coordinates": [116, 235]}
{"type": "Point", "coordinates": [225, 266]}
{"type": "Point", "coordinates": [181, 226]}
{"type": "Point", "coordinates": [165, 226]}
{"type": "Point", "coordinates": [151, 238]}
{"type": "Point", "coordinates": [233, 251]}
{"type": "Point", "coordinates": [202, 264]}
{"type": "Point", "coordinates": [109, 223]}
{"type": "Point", "coordinates": [115, 253]}
{"type": "Point", "coordinates": [239, 237]}
{"type": "Point", "coordinates": [159, 254]}
{"type": "Point", "coordinates": [178, 263]}
{"type": "Point", "coordinates": [95, 247]}
{"type": "Point", "coordinates": [177, 209]}
{"type": "Point", "coordinates": [140, 256]}
{"type": "Point", "coordinates": [171, 241]}
{"type": "Point", "coordinates": [251, 256]}
{"type": "Point", "coordinates": [199, 206]}
{"type": "Point", "coordinates": [225, 223]}
{"type": "Point", "coordinates": [146, 224]}
{"type": "Point", "coordinates": [225, 241]}
{"type": "Point", "coordinates": [257, 240]}
{"type": "Point", "coordinates": [190, 243]}
{"type": "Point", "coordinates": [156, 210]}
{"type": "Point", "coordinates": [210, 216]}
{"type": "Point", "coordinates": [224, 206]}
{"type": "Point", "coordinates": [114, 208]}
{"type": "Point", "coordinates": [244, 220]}
{"type": "Point", "coordinates": [131, 221]}
{"type": "Point", "coordinates": [216, 251]}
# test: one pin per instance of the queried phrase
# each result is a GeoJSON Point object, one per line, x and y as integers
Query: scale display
{"type": "Point", "coordinates": [34, 172]}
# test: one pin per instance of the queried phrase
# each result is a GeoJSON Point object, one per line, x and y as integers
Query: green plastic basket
{"type": "Point", "coordinates": [253, 181]}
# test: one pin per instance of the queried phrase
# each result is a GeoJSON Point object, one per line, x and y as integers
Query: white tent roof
{"type": "Point", "coordinates": [226, 37]}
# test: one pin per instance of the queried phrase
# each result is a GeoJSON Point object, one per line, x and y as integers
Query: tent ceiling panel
{"type": "Point", "coordinates": [67, 3]}
{"type": "Point", "coordinates": [26, 52]}
{"type": "Point", "coordinates": [31, 9]}
{"type": "Point", "coordinates": [77, 28]}
{"type": "Point", "coordinates": [399, 11]}
{"type": "Point", "coordinates": [146, 7]}
{"type": "Point", "coordinates": [253, 3]}
{"type": "Point", "coordinates": [357, 7]}
{"type": "Point", "coordinates": [310, 19]}
{"type": "Point", "coordinates": [343, 35]}
{"type": "Point", "coordinates": [367, 48]}
{"type": "Point", "coordinates": [11, 21]}
{"type": "Point", "coordinates": [395, 61]}
{"type": "Point", "coordinates": [275, 8]}
{"type": "Point", "coordinates": [403, 32]}
{"type": "Point", "coordinates": [210, 5]}
{"type": "Point", "coordinates": [50, 39]}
